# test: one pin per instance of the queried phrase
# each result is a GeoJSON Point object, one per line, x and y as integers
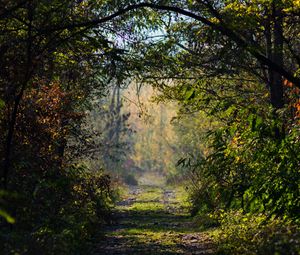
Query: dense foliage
{"type": "Point", "coordinates": [228, 66]}
{"type": "Point", "coordinates": [48, 76]}
{"type": "Point", "coordinates": [215, 62]}
{"type": "Point", "coordinates": [232, 67]}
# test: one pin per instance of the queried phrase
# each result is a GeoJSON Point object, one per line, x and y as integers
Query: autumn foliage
{"type": "Point", "coordinates": [43, 121]}
{"type": "Point", "coordinates": [66, 200]}
{"type": "Point", "coordinates": [293, 98]}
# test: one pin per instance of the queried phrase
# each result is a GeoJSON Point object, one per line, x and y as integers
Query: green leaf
{"type": "Point", "coordinates": [7, 217]}
{"type": "Point", "coordinates": [2, 103]}
{"type": "Point", "coordinates": [190, 94]}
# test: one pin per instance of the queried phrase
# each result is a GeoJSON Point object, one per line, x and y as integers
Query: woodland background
{"type": "Point", "coordinates": [226, 76]}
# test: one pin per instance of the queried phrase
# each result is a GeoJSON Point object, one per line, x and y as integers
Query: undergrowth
{"type": "Point", "coordinates": [238, 233]}
{"type": "Point", "coordinates": [60, 216]}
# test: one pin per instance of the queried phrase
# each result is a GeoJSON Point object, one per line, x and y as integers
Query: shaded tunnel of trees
{"type": "Point", "coordinates": [228, 73]}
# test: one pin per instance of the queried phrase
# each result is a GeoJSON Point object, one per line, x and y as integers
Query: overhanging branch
{"type": "Point", "coordinates": [218, 27]}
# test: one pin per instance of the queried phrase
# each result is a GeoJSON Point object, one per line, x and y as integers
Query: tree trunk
{"type": "Point", "coordinates": [277, 84]}
{"type": "Point", "coordinates": [18, 98]}
{"type": "Point", "coordinates": [274, 52]}
{"type": "Point", "coordinates": [275, 79]}
{"type": "Point", "coordinates": [9, 138]}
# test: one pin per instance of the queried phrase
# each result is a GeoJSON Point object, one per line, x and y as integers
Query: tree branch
{"type": "Point", "coordinates": [238, 39]}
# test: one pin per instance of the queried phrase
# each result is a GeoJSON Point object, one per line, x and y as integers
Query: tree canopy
{"type": "Point", "coordinates": [231, 67]}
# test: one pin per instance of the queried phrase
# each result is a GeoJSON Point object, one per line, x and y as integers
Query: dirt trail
{"type": "Point", "coordinates": [152, 220]}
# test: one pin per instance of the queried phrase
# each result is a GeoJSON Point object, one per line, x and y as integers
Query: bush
{"type": "Point", "coordinates": [61, 215]}
{"type": "Point", "coordinates": [255, 235]}
{"type": "Point", "coordinates": [129, 179]}
{"type": "Point", "coordinates": [251, 167]}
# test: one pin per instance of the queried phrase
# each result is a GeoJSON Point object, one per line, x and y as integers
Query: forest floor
{"type": "Point", "coordinates": [153, 220]}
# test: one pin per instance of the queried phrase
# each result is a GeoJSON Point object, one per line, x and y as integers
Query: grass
{"type": "Point", "coordinates": [154, 220]}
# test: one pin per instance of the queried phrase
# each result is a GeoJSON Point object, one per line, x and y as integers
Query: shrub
{"type": "Point", "coordinates": [255, 235]}
{"type": "Point", "coordinates": [61, 215]}
{"type": "Point", "coordinates": [130, 180]}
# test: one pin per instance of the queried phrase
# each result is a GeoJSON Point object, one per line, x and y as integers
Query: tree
{"type": "Point", "coordinates": [31, 51]}
{"type": "Point", "coordinates": [45, 32]}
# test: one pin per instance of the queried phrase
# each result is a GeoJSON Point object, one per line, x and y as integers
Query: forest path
{"type": "Point", "coordinates": [153, 220]}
